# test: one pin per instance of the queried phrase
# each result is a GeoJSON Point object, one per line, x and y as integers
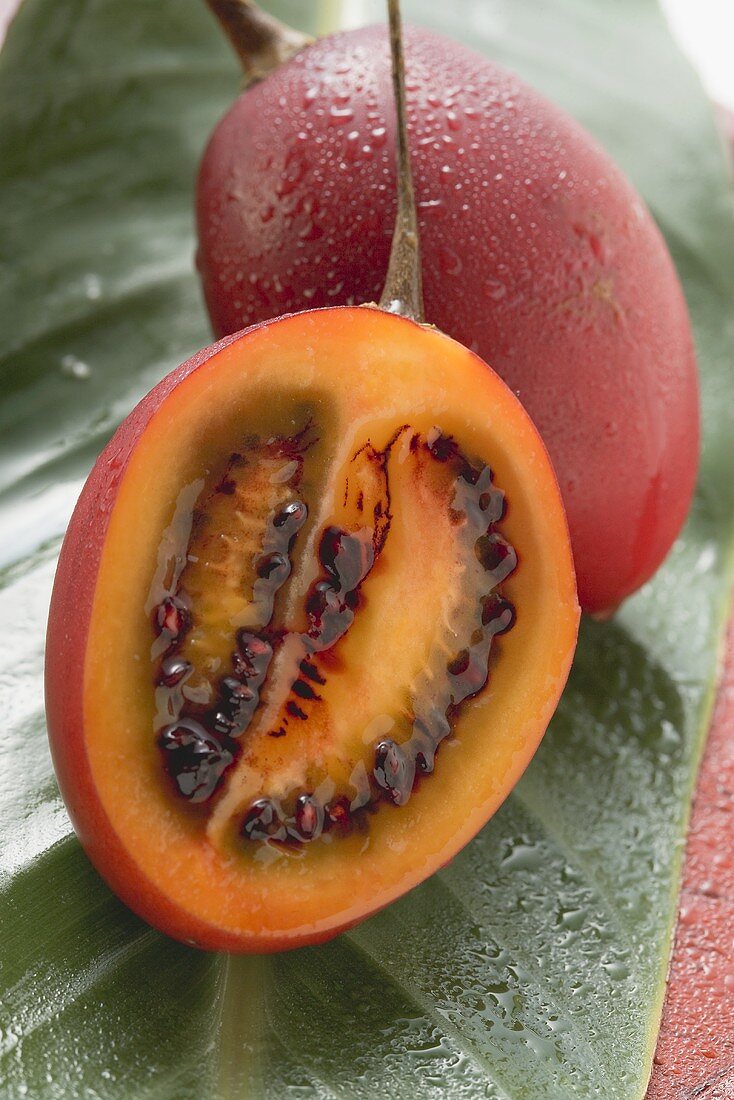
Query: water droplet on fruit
{"type": "Point", "coordinates": [338, 115]}
{"type": "Point", "coordinates": [294, 170]}
{"type": "Point", "coordinates": [450, 262]}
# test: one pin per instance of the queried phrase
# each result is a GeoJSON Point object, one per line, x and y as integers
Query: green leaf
{"type": "Point", "coordinates": [533, 966]}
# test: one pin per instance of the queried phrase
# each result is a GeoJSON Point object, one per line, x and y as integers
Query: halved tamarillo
{"type": "Point", "coordinates": [305, 637]}
{"type": "Point", "coordinates": [313, 613]}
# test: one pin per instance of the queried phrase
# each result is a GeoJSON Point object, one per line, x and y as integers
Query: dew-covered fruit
{"type": "Point", "coordinates": [537, 254]}
{"type": "Point", "coordinates": [312, 615]}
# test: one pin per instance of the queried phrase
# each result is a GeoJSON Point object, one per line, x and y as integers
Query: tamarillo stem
{"type": "Point", "coordinates": [261, 42]}
{"type": "Point", "coordinates": [403, 291]}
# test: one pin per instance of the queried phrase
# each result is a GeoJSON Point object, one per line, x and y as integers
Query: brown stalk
{"type": "Point", "coordinates": [403, 291]}
{"type": "Point", "coordinates": [261, 42]}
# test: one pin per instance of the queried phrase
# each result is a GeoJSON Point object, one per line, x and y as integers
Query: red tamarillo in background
{"type": "Point", "coordinates": [537, 254]}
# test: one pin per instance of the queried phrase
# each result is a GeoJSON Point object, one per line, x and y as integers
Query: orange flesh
{"type": "Point", "coordinates": [346, 377]}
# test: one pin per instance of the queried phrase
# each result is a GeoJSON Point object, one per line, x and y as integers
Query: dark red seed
{"type": "Point", "coordinates": [496, 556]}
{"type": "Point", "coordinates": [469, 473]}
{"type": "Point", "coordinates": [423, 748]}
{"type": "Point", "coordinates": [194, 759]}
{"type": "Point", "coordinates": [262, 822]}
{"type": "Point", "coordinates": [327, 591]}
{"type": "Point", "coordinates": [223, 723]}
{"type": "Point", "coordinates": [425, 760]}
{"type": "Point", "coordinates": [236, 706]}
{"type": "Point", "coordinates": [471, 681]}
{"type": "Point", "coordinates": [345, 557]}
{"type": "Point", "coordinates": [493, 504]}
{"type": "Point", "coordinates": [441, 446]}
{"type": "Point", "coordinates": [394, 771]}
{"type": "Point", "coordinates": [295, 711]}
{"type": "Point", "coordinates": [329, 614]}
{"type": "Point", "coordinates": [498, 613]}
{"type": "Point", "coordinates": [172, 616]}
{"type": "Point", "coordinates": [338, 812]}
{"type": "Point", "coordinates": [322, 598]}
{"type": "Point", "coordinates": [235, 692]}
{"type": "Point", "coordinates": [292, 515]}
{"type": "Point", "coordinates": [273, 567]}
{"type": "Point", "coordinates": [253, 655]}
{"type": "Point", "coordinates": [173, 670]}
{"type": "Point", "coordinates": [254, 647]}
{"type": "Point", "coordinates": [330, 548]}
{"type": "Point", "coordinates": [460, 663]}
{"type": "Point", "coordinates": [309, 817]}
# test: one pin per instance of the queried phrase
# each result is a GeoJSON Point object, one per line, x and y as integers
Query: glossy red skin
{"type": "Point", "coordinates": [537, 254]}
{"type": "Point", "coordinates": [66, 640]}
{"type": "Point", "coordinates": [695, 1052]}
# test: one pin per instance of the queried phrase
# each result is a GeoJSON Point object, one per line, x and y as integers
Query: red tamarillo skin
{"type": "Point", "coordinates": [695, 1051]}
{"type": "Point", "coordinates": [537, 254]}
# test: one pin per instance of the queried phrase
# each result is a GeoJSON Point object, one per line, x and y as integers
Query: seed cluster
{"type": "Point", "coordinates": [199, 746]}
{"type": "Point", "coordinates": [198, 751]}
{"type": "Point", "coordinates": [398, 767]}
